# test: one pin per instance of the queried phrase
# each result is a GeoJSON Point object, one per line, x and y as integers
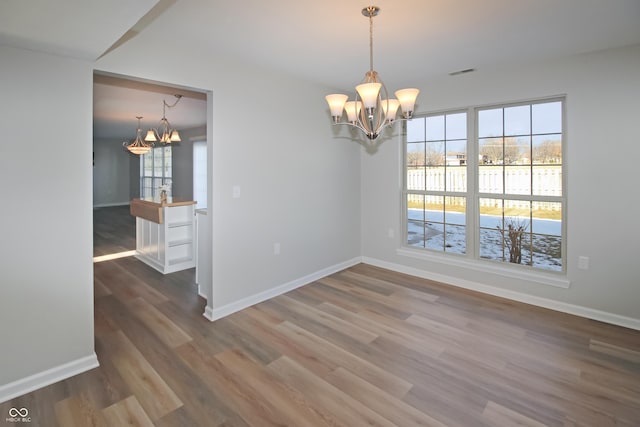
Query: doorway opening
{"type": "Point", "coordinates": [118, 175]}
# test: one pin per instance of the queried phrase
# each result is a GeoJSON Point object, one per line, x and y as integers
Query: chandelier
{"type": "Point", "coordinates": [166, 134]}
{"type": "Point", "coordinates": [138, 146]}
{"type": "Point", "coordinates": [372, 109]}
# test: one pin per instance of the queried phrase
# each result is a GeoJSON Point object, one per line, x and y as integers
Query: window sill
{"type": "Point", "coordinates": [558, 280]}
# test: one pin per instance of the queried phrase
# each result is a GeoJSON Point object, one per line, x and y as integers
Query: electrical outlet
{"type": "Point", "coordinates": [583, 262]}
{"type": "Point", "coordinates": [236, 191]}
{"type": "Point", "coordinates": [276, 248]}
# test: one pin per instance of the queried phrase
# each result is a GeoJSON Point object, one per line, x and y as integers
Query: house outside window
{"type": "Point", "coordinates": [487, 183]}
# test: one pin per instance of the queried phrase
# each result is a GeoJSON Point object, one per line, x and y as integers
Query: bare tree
{"type": "Point", "coordinates": [500, 151]}
{"type": "Point", "coordinates": [491, 151]}
{"type": "Point", "coordinates": [415, 158]}
{"type": "Point", "coordinates": [548, 152]}
{"type": "Point", "coordinates": [434, 154]}
{"type": "Point", "coordinates": [513, 236]}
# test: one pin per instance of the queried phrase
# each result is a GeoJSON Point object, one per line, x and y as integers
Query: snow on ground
{"type": "Point", "coordinates": [546, 237]}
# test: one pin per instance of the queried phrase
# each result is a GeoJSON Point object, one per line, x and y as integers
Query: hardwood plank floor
{"type": "Point", "coordinates": [365, 346]}
{"type": "Point", "coordinates": [114, 230]}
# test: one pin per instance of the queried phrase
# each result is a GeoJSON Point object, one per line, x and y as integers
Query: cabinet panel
{"type": "Point", "coordinates": [182, 232]}
{"type": "Point", "coordinates": [169, 246]}
{"type": "Point", "coordinates": [178, 214]}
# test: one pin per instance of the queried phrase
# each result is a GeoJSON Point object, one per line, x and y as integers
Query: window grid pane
{"type": "Point", "coordinates": [436, 162]}
{"type": "Point", "coordinates": [155, 170]}
{"type": "Point", "coordinates": [415, 220]}
{"type": "Point", "coordinates": [528, 165]}
{"type": "Point", "coordinates": [518, 174]}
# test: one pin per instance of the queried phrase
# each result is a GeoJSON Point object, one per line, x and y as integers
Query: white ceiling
{"type": "Point", "coordinates": [117, 103]}
{"type": "Point", "coordinates": [324, 42]}
{"type": "Point", "coordinates": [79, 28]}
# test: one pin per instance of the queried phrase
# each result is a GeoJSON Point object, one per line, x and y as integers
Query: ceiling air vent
{"type": "Point", "coordinates": [457, 73]}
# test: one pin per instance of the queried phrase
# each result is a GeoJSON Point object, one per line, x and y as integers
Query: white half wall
{"type": "Point", "coordinates": [602, 91]}
{"type": "Point", "coordinates": [46, 269]}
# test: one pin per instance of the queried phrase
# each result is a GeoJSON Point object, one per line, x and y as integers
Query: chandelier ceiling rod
{"type": "Point", "coordinates": [370, 112]}
{"type": "Point", "coordinates": [371, 11]}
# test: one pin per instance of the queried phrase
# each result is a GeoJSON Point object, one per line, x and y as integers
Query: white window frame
{"type": "Point", "coordinates": [200, 173]}
{"type": "Point", "coordinates": [165, 178]}
{"type": "Point", "coordinates": [471, 259]}
{"type": "Point", "coordinates": [446, 192]}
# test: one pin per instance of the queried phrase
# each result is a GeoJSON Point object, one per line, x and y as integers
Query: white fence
{"type": "Point", "coordinates": [499, 180]}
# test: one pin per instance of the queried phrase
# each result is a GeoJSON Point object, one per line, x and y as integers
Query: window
{"type": "Point", "coordinates": [486, 183]}
{"type": "Point", "coordinates": [436, 182]}
{"type": "Point", "coordinates": [155, 170]}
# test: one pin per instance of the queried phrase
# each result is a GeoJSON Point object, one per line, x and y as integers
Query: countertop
{"type": "Point", "coordinates": [171, 201]}
{"type": "Point", "coordinates": [152, 209]}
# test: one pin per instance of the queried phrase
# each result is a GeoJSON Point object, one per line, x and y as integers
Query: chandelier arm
{"type": "Point", "coordinates": [358, 126]}
{"type": "Point", "coordinates": [355, 125]}
{"type": "Point", "coordinates": [364, 122]}
{"type": "Point", "coordinates": [386, 124]}
{"type": "Point", "coordinates": [179, 97]}
{"type": "Point", "coordinates": [138, 146]}
{"type": "Point", "coordinates": [165, 126]}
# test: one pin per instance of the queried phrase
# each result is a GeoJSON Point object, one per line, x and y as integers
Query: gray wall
{"type": "Point", "coordinates": [299, 186]}
{"type": "Point", "coordinates": [182, 162]}
{"type": "Point", "coordinates": [116, 172]}
{"type": "Point", "coordinates": [46, 292]}
{"type": "Point", "coordinates": [134, 171]}
{"type": "Point", "coordinates": [111, 173]}
{"type": "Point", "coordinates": [602, 91]}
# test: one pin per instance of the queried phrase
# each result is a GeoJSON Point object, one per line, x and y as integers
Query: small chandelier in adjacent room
{"type": "Point", "coordinates": [165, 134]}
{"type": "Point", "coordinates": [138, 146]}
{"type": "Point", "coordinates": [372, 109]}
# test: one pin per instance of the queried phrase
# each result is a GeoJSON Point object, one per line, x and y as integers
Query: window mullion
{"type": "Point", "coordinates": [472, 222]}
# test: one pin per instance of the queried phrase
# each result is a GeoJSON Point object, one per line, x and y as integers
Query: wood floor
{"type": "Point", "coordinates": [362, 347]}
{"type": "Point", "coordinates": [114, 230]}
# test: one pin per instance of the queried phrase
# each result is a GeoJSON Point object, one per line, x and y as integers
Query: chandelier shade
{"type": "Point", "coordinates": [138, 146]}
{"type": "Point", "coordinates": [372, 109]}
{"type": "Point", "coordinates": [165, 134]}
{"type": "Point", "coordinates": [369, 93]}
{"type": "Point", "coordinates": [390, 108]}
{"type": "Point", "coordinates": [407, 99]}
{"type": "Point", "coordinates": [353, 111]}
{"type": "Point", "coordinates": [336, 104]}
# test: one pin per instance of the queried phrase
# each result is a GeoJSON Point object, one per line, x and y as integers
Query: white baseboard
{"type": "Point", "coordinates": [220, 312]}
{"type": "Point", "coordinates": [48, 377]}
{"type": "Point", "coordinates": [577, 310]}
{"type": "Point", "coordinates": [209, 314]}
{"type": "Point", "coordinates": [110, 205]}
{"type": "Point", "coordinates": [200, 293]}
{"type": "Point", "coordinates": [589, 313]}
